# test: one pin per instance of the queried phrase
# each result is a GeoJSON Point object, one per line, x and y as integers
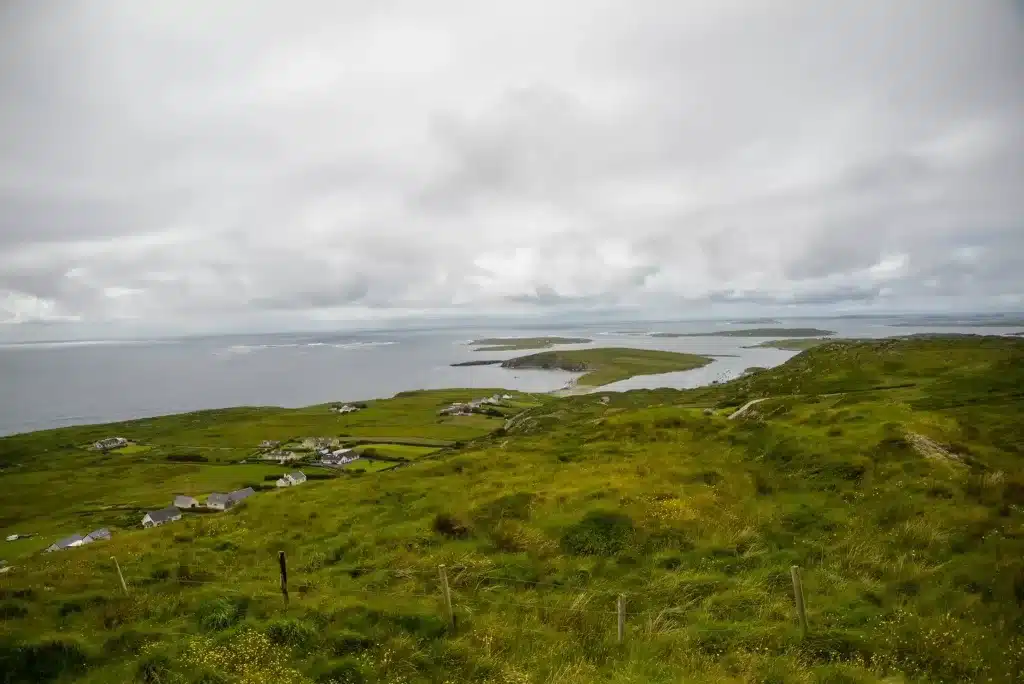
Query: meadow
{"type": "Point", "coordinates": [889, 471]}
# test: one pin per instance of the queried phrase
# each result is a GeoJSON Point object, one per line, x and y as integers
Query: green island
{"type": "Point", "coordinates": [518, 343]}
{"type": "Point", "coordinates": [757, 321]}
{"type": "Point", "coordinates": [753, 332]}
{"type": "Point", "coordinates": [609, 364]}
{"type": "Point", "coordinates": [890, 472]}
{"type": "Point", "coordinates": [793, 344]}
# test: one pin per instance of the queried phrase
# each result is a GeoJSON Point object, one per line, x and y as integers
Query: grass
{"type": "Point", "coordinates": [401, 451]}
{"type": "Point", "coordinates": [518, 343]}
{"type": "Point", "coordinates": [754, 332]}
{"type": "Point", "coordinates": [365, 465]}
{"type": "Point", "coordinates": [610, 364]}
{"type": "Point", "coordinates": [913, 562]}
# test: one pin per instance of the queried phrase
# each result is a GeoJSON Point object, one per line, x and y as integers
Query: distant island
{"type": "Point", "coordinates": [756, 321]}
{"type": "Point", "coordinates": [517, 343]}
{"type": "Point", "coordinates": [487, 362]}
{"type": "Point", "coordinates": [609, 364]}
{"type": "Point", "coordinates": [982, 322]}
{"type": "Point", "coordinates": [794, 345]}
{"type": "Point", "coordinates": [754, 332]}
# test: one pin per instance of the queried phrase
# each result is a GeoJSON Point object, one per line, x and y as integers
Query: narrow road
{"type": "Point", "coordinates": [743, 409]}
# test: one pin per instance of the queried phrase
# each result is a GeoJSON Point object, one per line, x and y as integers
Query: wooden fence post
{"type": "Point", "coordinates": [621, 604]}
{"type": "Point", "coordinates": [798, 594]}
{"type": "Point", "coordinates": [447, 595]}
{"type": "Point", "coordinates": [124, 586]}
{"type": "Point", "coordinates": [284, 576]}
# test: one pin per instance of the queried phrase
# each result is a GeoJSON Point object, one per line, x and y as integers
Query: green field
{"type": "Point", "coordinates": [518, 343]}
{"type": "Point", "coordinates": [402, 451]}
{"type": "Point", "coordinates": [365, 465]}
{"type": "Point", "coordinates": [754, 332]}
{"type": "Point", "coordinates": [610, 364]}
{"type": "Point", "coordinates": [889, 471]}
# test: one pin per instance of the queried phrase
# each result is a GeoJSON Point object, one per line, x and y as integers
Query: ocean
{"type": "Point", "coordinates": [55, 384]}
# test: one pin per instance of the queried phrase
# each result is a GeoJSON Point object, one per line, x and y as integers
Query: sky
{"type": "Point", "coordinates": [194, 166]}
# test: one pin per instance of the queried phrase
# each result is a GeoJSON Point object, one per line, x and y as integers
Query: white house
{"type": "Point", "coordinates": [241, 495]}
{"type": "Point", "coordinates": [219, 502]}
{"type": "Point", "coordinates": [269, 444]}
{"type": "Point", "coordinates": [292, 479]}
{"type": "Point", "coordinates": [102, 534]}
{"type": "Point", "coordinates": [158, 518]}
{"type": "Point", "coordinates": [281, 456]}
{"type": "Point", "coordinates": [347, 408]}
{"type": "Point", "coordinates": [66, 543]}
{"type": "Point", "coordinates": [339, 457]}
{"type": "Point", "coordinates": [506, 397]}
{"type": "Point", "coordinates": [181, 501]}
{"type": "Point", "coordinates": [110, 443]}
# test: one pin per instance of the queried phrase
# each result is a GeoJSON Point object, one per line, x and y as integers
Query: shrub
{"type": "Point", "coordinates": [348, 642]}
{"type": "Point", "coordinates": [291, 633]}
{"type": "Point", "coordinates": [41, 662]}
{"type": "Point", "coordinates": [600, 533]}
{"type": "Point", "coordinates": [451, 526]}
{"type": "Point", "coordinates": [12, 610]}
{"type": "Point", "coordinates": [512, 506]}
{"type": "Point", "coordinates": [155, 669]}
{"type": "Point", "coordinates": [221, 613]}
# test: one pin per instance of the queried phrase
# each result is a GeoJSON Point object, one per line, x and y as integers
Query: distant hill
{"type": "Point", "coordinates": [754, 332]}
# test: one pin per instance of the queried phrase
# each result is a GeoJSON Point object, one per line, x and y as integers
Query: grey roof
{"type": "Point", "coordinates": [102, 533]}
{"type": "Point", "coordinates": [240, 494]}
{"type": "Point", "coordinates": [218, 498]}
{"type": "Point", "coordinates": [298, 475]}
{"type": "Point", "coordinates": [183, 498]}
{"type": "Point", "coordinates": [164, 514]}
{"type": "Point", "coordinates": [68, 541]}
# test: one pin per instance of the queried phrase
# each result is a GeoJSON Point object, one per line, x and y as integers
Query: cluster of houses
{"type": "Point", "coordinates": [110, 443]}
{"type": "Point", "coordinates": [471, 407]}
{"type": "Point", "coordinates": [78, 540]}
{"type": "Point", "coordinates": [214, 502]}
{"type": "Point", "coordinates": [347, 408]}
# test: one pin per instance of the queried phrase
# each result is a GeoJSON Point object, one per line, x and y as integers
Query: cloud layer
{"type": "Point", "coordinates": [190, 164]}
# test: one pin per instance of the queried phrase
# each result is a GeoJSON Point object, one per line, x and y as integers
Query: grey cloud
{"type": "Point", "coordinates": [192, 164]}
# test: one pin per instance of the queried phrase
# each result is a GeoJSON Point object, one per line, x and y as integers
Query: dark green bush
{"type": "Point", "coordinates": [451, 526]}
{"type": "Point", "coordinates": [41, 662]}
{"type": "Point", "coordinates": [220, 613]}
{"type": "Point", "coordinates": [600, 533]}
{"type": "Point", "coordinates": [155, 669]}
{"type": "Point", "coordinates": [292, 633]}
{"type": "Point", "coordinates": [12, 610]}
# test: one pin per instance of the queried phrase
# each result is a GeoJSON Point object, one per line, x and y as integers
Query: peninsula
{"type": "Point", "coordinates": [610, 364]}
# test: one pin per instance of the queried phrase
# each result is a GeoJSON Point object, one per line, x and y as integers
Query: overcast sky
{"type": "Point", "coordinates": [193, 165]}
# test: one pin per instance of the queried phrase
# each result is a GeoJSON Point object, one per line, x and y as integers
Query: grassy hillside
{"type": "Point", "coordinates": [610, 364]}
{"type": "Point", "coordinates": [890, 472]}
{"type": "Point", "coordinates": [517, 343]}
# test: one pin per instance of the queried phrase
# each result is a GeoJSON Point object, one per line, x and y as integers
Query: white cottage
{"type": "Point", "coordinates": [181, 501]}
{"type": "Point", "coordinates": [158, 518]}
{"type": "Point", "coordinates": [292, 479]}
